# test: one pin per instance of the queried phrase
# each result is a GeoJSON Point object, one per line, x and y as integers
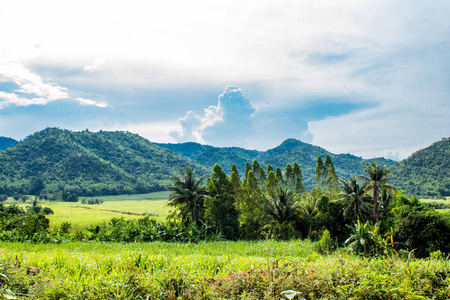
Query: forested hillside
{"type": "Point", "coordinates": [288, 152]}
{"type": "Point", "coordinates": [426, 172]}
{"type": "Point", "coordinates": [6, 142]}
{"type": "Point", "coordinates": [87, 163]}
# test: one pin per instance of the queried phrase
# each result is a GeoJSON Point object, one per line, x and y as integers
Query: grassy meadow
{"type": "Point", "coordinates": [215, 270]}
{"type": "Point", "coordinates": [82, 216]}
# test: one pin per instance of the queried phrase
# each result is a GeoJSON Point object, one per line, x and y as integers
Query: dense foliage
{"type": "Point", "coordinates": [54, 161]}
{"type": "Point", "coordinates": [289, 151]}
{"type": "Point", "coordinates": [425, 172]}
{"type": "Point", "coordinates": [6, 142]}
{"type": "Point", "coordinates": [363, 208]}
{"type": "Point", "coordinates": [17, 224]}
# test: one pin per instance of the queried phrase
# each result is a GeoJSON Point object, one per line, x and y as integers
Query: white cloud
{"type": "Point", "coordinates": [230, 123]}
{"type": "Point", "coordinates": [32, 90]}
{"type": "Point", "coordinates": [154, 131]}
{"type": "Point", "coordinates": [191, 128]}
{"type": "Point", "coordinates": [84, 101]}
{"type": "Point", "coordinates": [393, 55]}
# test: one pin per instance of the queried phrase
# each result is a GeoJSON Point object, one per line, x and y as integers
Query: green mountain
{"type": "Point", "coordinates": [426, 172]}
{"type": "Point", "coordinates": [6, 142]}
{"type": "Point", "coordinates": [88, 163]}
{"type": "Point", "coordinates": [208, 156]}
{"type": "Point", "coordinates": [289, 151]}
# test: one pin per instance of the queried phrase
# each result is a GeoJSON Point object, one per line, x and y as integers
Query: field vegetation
{"type": "Point", "coordinates": [214, 270]}
{"type": "Point", "coordinates": [256, 236]}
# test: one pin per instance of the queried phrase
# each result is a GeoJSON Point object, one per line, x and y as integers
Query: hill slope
{"type": "Point", "coordinates": [426, 172]}
{"type": "Point", "coordinates": [6, 142]}
{"type": "Point", "coordinates": [88, 163]}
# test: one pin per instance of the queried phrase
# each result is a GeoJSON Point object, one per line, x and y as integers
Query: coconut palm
{"type": "Point", "coordinates": [313, 210]}
{"type": "Point", "coordinates": [282, 207]}
{"type": "Point", "coordinates": [386, 197]}
{"type": "Point", "coordinates": [188, 195]}
{"type": "Point", "coordinates": [353, 200]}
{"type": "Point", "coordinates": [375, 180]}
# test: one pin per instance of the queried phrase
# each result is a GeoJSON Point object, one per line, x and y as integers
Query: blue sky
{"type": "Point", "coordinates": [370, 78]}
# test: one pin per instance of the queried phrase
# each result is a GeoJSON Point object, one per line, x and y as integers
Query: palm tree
{"type": "Point", "coordinates": [313, 210]}
{"type": "Point", "coordinates": [386, 197]}
{"type": "Point", "coordinates": [188, 195]}
{"type": "Point", "coordinates": [282, 207]}
{"type": "Point", "coordinates": [376, 179]}
{"type": "Point", "coordinates": [353, 200]}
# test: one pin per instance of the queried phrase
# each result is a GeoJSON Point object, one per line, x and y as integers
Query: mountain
{"type": "Point", "coordinates": [88, 163]}
{"type": "Point", "coordinates": [6, 142]}
{"type": "Point", "coordinates": [289, 151]}
{"type": "Point", "coordinates": [208, 156]}
{"type": "Point", "coordinates": [426, 172]}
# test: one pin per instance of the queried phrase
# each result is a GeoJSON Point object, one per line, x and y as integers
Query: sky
{"type": "Point", "coordinates": [370, 78]}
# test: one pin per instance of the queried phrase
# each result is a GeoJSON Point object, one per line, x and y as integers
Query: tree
{"type": "Point", "coordinates": [386, 198]}
{"type": "Point", "coordinates": [252, 216]}
{"type": "Point", "coordinates": [289, 176]}
{"type": "Point", "coordinates": [221, 208]}
{"type": "Point", "coordinates": [279, 176]}
{"type": "Point", "coordinates": [272, 184]}
{"type": "Point", "coordinates": [352, 200]}
{"type": "Point", "coordinates": [332, 180]}
{"type": "Point", "coordinates": [72, 198]}
{"type": "Point", "coordinates": [298, 179]}
{"type": "Point", "coordinates": [187, 195]}
{"type": "Point", "coordinates": [312, 209]}
{"type": "Point", "coordinates": [236, 183]}
{"type": "Point", "coordinates": [320, 173]}
{"type": "Point", "coordinates": [269, 168]}
{"type": "Point", "coordinates": [281, 208]}
{"type": "Point", "coordinates": [375, 180]}
{"type": "Point", "coordinates": [248, 167]}
{"type": "Point", "coordinates": [36, 186]}
{"type": "Point", "coordinates": [259, 173]}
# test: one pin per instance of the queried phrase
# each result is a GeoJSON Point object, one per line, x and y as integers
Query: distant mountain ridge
{"type": "Point", "coordinates": [104, 162]}
{"type": "Point", "coordinates": [290, 151]}
{"type": "Point", "coordinates": [88, 163]}
{"type": "Point", "coordinates": [426, 172]}
{"type": "Point", "coordinates": [6, 142]}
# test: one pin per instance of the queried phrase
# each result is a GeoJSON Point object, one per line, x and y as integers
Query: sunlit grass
{"type": "Point", "coordinates": [158, 270]}
{"type": "Point", "coordinates": [83, 216]}
{"type": "Point", "coordinates": [434, 200]}
{"type": "Point", "coordinates": [148, 196]}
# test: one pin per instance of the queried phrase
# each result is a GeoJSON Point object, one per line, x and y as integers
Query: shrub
{"type": "Point", "coordinates": [424, 232]}
{"type": "Point", "coordinates": [326, 244]}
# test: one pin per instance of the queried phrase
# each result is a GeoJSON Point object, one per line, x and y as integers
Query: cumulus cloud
{"type": "Point", "coordinates": [191, 127]}
{"type": "Point", "coordinates": [84, 101]}
{"type": "Point", "coordinates": [32, 90]}
{"type": "Point", "coordinates": [228, 123]}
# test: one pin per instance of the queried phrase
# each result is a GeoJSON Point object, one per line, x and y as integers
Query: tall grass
{"type": "Point", "coordinates": [217, 270]}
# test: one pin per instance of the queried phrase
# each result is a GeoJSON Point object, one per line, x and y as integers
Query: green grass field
{"type": "Point", "coordinates": [435, 200]}
{"type": "Point", "coordinates": [213, 270]}
{"type": "Point", "coordinates": [149, 196]}
{"type": "Point", "coordinates": [82, 216]}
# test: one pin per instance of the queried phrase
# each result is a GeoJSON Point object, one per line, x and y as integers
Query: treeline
{"type": "Point", "coordinates": [360, 211]}
{"type": "Point", "coordinates": [365, 213]}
